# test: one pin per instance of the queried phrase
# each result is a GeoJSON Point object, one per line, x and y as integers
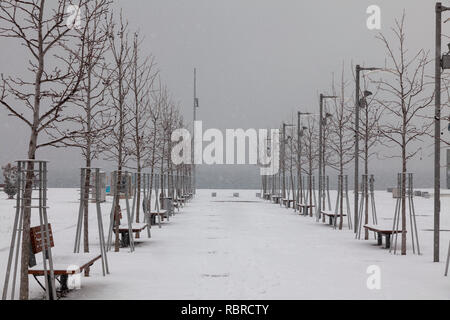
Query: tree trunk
{"type": "Point", "coordinates": [88, 157]}
{"type": "Point", "coordinates": [25, 255]}
{"type": "Point", "coordinates": [404, 195]}
{"type": "Point", "coordinates": [138, 194]}
{"type": "Point", "coordinates": [24, 285]}
{"type": "Point", "coordinates": [366, 172]}
{"type": "Point", "coordinates": [87, 187]}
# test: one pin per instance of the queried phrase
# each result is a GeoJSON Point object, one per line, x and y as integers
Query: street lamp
{"type": "Point", "coordinates": [440, 64]}
{"type": "Point", "coordinates": [321, 156]}
{"type": "Point", "coordinates": [299, 156]}
{"type": "Point", "coordinates": [196, 106]}
{"type": "Point", "coordinates": [359, 69]}
{"type": "Point", "coordinates": [285, 125]}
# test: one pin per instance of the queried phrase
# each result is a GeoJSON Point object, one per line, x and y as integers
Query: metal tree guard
{"type": "Point", "coordinates": [94, 188]}
{"type": "Point", "coordinates": [448, 261]}
{"type": "Point", "coordinates": [157, 204]}
{"type": "Point", "coordinates": [31, 173]}
{"type": "Point", "coordinates": [368, 186]}
{"type": "Point", "coordinates": [328, 193]}
{"type": "Point", "coordinates": [146, 202]}
{"type": "Point", "coordinates": [343, 193]}
{"type": "Point", "coordinates": [409, 192]}
{"type": "Point", "coordinates": [123, 184]}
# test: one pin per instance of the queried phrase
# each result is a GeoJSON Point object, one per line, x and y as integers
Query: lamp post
{"type": "Point", "coordinates": [364, 105]}
{"type": "Point", "coordinates": [324, 125]}
{"type": "Point", "coordinates": [357, 110]}
{"type": "Point", "coordinates": [321, 159]}
{"type": "Point", "coordinates": [196, 106]}
{"type": "Point", "coordinates": [285, 125]}
{"type": "Point", "coordinates": [439, 65]}
{"type": "Point", "coordinates": [299, 156]}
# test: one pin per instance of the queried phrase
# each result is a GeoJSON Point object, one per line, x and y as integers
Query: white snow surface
{"type": "Point", "coordinates": [246, 248]}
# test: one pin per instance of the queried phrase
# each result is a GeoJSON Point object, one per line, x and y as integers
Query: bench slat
{"type": "Point", "coordinates": [61, 264]}
{"type": "Point", "coordinates": [381, 229]}
{"type": "Point", "coordinates": [135, 227]}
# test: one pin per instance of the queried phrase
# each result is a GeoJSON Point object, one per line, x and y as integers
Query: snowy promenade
{"type": "Point", "coordinates": [228, 248]}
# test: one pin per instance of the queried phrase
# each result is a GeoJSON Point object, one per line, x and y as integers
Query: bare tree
{"type": "Point", "coordinates": [405, 99]}
{"type": "Point", "coordinates": [55, 73]}
{"type": "Point", "coordinates": [369, 133]}
{"type": "Point", "coordinates": [341, 139]}
{"type": "Point", "coordinates": [142, 78]}
{"type": "Point", "coordinates": [92, 120]}
{"type": "Point", "coordinates": [154, 137]}
{"type": "Point", "coordinates": [116, 147]}
{"type": "Point", "coordinates": [311, 150]}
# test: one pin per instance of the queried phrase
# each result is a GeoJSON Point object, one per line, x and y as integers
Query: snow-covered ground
{"type": "Point", "coordinates": [245, 248]}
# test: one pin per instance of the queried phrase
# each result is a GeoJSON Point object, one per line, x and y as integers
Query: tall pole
{"type": "Point", "coordinates": [319, 211]}
{"type": "Point", "coordinates": [437, 133]}
{"type": "Point", "coordinates": [324, 127]}
{"type": "Point", "coordinates": [194, 171]}
{"type": "Point", "coordinates": [321, 153]}
{"type": "Point", "coordinates": [284, 161]}
{"type": "Point", "coordinates": [299, 159]}
{"type": "Point", "coordinates": [357, 106]}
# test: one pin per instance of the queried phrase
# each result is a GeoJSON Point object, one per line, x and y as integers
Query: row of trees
{"type": "Point", "coordinates": [394, 107]}
{"type": "Point", "coordinates": [87, 85]}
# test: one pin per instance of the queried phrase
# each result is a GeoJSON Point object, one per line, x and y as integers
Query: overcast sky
{"type": "Point", "coordinates": [258, 61]}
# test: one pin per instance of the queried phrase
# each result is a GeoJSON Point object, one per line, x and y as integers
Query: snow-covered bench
{"type": "Point", "coordinates": [162, 214]}
{"type": "Point", "coordinates": [64, 265]}
{"type": "Point", "coordinates": [276, 199]}
{"type": "Point", "coordinates": [383, 230]}
{"type": "Point", "coordinates": [124, 231]}
{"type": "Point", "coordinates": [332, 215]}
{"type": "Point", "coordinates": [287, 202]}
{"type": "Point", "coordinates": [303, 207]}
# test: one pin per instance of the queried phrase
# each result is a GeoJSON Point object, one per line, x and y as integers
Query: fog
{"type": "Point", "coordinates": [258, 61]}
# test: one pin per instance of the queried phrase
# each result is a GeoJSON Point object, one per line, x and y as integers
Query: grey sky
{"type": "Point", "coordinates": [258, 60]}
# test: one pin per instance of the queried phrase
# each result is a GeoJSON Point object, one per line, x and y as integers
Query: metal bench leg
{"type": "Point", "coordinates": [388, 241]}
{"type": "Point", "coordinates": [380, 239]}
{"type": "Point", "coordinates": [50, 288]}
{"type": "Point", "coordinates": [63, 281]}
{"type": "Point", "coordinates": [125, 239]}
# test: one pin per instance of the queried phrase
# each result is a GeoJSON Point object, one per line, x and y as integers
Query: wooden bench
{"type": "Point", "coordinates": [162, 214]}
{"type": "Point", "coordinates": [168, 205]}
{"type": "Point", "coordinates": [287, 202]}
{"type": "Point", "coordinates": [276, 199]}
{"type": "Point", "coordinates": [302, 207]}
{"type": "Point", "coordinates": [331, 216]}
{"type": "Point", "coordinates": [124, 232]}
{"type": "Point", "coordinates": [383, 231]}
{"type": "Point", "coordinates": [63, 265]}
{"type": "Point", "coordinates": [177, 204]}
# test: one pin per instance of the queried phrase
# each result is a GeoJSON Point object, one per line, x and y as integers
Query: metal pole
{"type": "Point", "coordinates": [193, 134]}
{"type": "Point", "coordinates": [299, 156]}
{"type": "Point", "coordinates": [356, 187]}
{"type": "Point", "coordinates": [437, 134]}
{"type": "Point", "coordinates": [283, 161]}
{"type": "Point", "coordinates": [319, 211]}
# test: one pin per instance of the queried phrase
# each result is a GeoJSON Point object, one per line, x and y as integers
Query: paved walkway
{"type": "Point", "coordinates": [226, 248]}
